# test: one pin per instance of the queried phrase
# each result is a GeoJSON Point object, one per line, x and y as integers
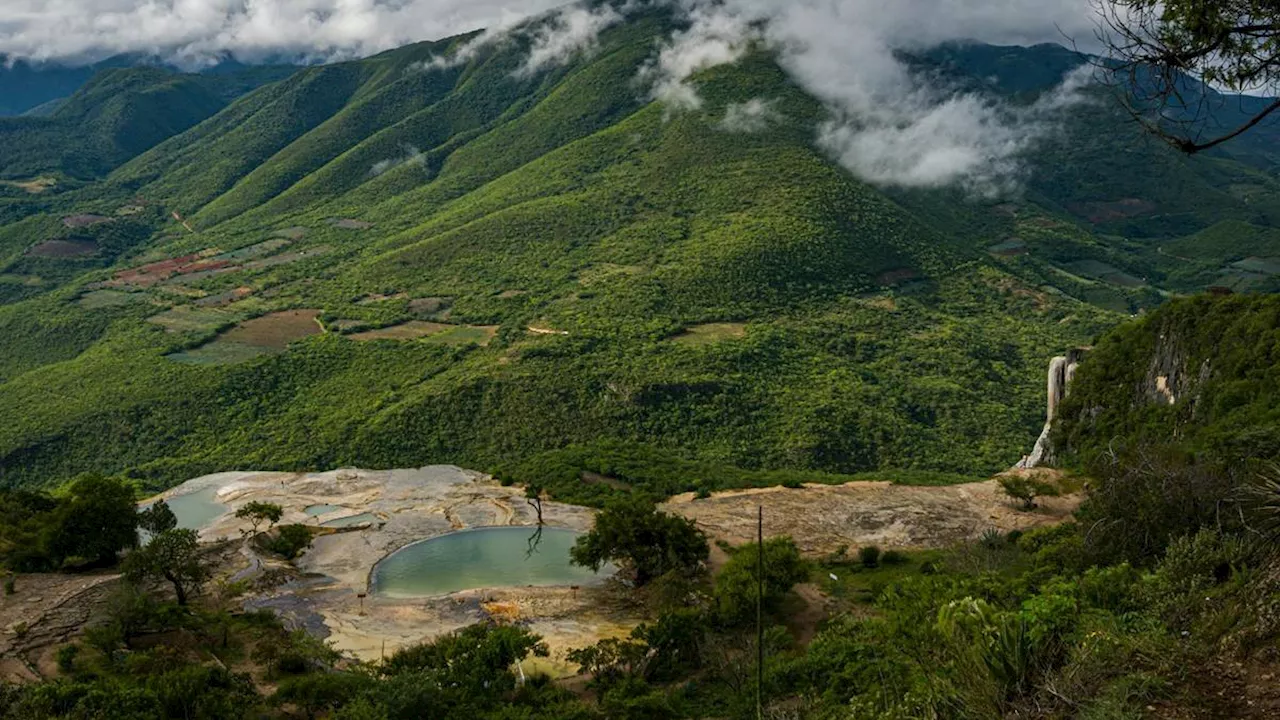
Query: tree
{"type": "Point", "coordinates": [1026, 489]}
{"type": "Point", "coordinates": [533, 493]}
{"type": "Point", "coordinates": [290, 540]}
{"type": "Point", "coordinates": [97, 520]}
{"type": "Point", "coordinates": [633, 532]}
{"type": "Point", "coordinates": [258, 512]}
{"type": "Point", "coordinates": [157, 518]}
{"type": "Point", "coordinates": [1168, 53]}
{"type": "Point", "coordinates": [737, 583]}
{"type": "Point", "coordinates": [173, 555]}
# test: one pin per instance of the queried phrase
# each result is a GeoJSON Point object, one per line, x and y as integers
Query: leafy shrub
{"type": "Point", "coordinates": [894, 557]}
{"type": "Point", "coordinates": [289, 540]}
{"type": "Point", "coordinates": [66, 658]}
{"type": "Point", "coordinates": [869, 556]}
{"type": "Point", "coordinates": [10, 584]}
{"type": "Point", "coordinates": [1027, 489]}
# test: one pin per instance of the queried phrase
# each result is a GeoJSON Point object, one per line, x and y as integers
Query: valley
{"type": "Point", "coordinates": [639, 360]}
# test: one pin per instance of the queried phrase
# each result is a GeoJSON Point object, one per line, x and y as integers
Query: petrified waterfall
{"type": "Point", "coordinates": [1061, 370]}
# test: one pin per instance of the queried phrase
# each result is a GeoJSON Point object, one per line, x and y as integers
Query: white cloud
{"type": "Point", "coordinates": [567, 33]}
{"type": "Point", "coordinates": [752, 116]}
{"type": "Point", "coordinates": [412, 156]}
{"type": "Point", "coordinates": [195, 32]}
{"type": "Point", "coordinates": [716, 36]}
{"type": "Point", "coordinates": [889, 126]}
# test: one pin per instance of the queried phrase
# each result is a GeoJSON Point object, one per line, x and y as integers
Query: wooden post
{"type": "Point", "coordinates": [760, 612]}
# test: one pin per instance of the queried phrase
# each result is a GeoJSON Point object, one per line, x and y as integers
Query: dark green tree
{"type": "Point", "coordinates": [258, 512]}
{"type": "Point", "coordinates": [95, 522]}
{"type": "Point", "coordinates": [632, 532]}
{"type": "Point", "coordinates": [736, 584]}
{"type": "Point", "coordinates": [173, 555]}
{"type": "Point", "coordinates": [157, 518]}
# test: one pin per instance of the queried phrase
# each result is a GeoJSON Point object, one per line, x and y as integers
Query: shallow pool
{"type": "Point", "coordinates": [350, 520]}
{"type": "Point", "coordinates": [195, 510]}
{"type": "Point", "coordinates": [484, 557]}
{"type": "Point", "coordinates": [317, 510]}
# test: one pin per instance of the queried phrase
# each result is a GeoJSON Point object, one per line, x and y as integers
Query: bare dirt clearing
{"type": "Point", "coordinates": [711, 333]}
{"type": "Point", "coordinates": [64, 249]}
{"type": "Point", "coordinates": [822, 518]}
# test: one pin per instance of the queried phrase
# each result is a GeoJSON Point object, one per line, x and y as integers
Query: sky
{"type": "Point", "coordinates": [885, 124]}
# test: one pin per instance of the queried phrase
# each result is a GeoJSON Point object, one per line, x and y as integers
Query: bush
{"type": "Point", "coordinates": [289, 541]}
{"type": "Point", "coordinates": [10, 584]}
{"type": "Point", "coordinates": [894, 557]}
{"type": "Point", "coordinates": [1027, 489]}
{"type": "Point", "coordinates": [66, 657]}
{"type": "Point", "coordinates": [869, 556]}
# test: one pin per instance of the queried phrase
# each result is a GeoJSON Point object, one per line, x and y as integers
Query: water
{"type": "Point", "coordinates": [316, 510]}
{"type": "Point", "coordinates": [485, 557]}
{"type": "Point", "coordinates": [194, 511]}
{"type": "Point", "coordinates": [350, 520]}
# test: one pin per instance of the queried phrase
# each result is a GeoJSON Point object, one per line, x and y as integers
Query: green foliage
{"type": "Point", "coordinates": [1027, 489]}
{"type": "Point", "coordinates": [66, 658]}
{"type": "Point", "coordinates": [86, 526]}
{"type": "Point", "coordinates": [258, 512]}
{"type": "Point", "coordinates": [173, 555]}
{"type": "Point", "coordinates": [157, 518]}
{"type": "Point", "coordinates": [869, 556]}
{"type": "Point", "coordinates": [289, 540]}
{"type": "Point", "coordinates": [1216, 356]}
{"type": "Point", "coordinates": [632, 532]}
{"type": "Point", "coordinates": [736, 584]}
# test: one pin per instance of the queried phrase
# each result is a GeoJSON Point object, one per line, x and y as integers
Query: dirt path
{"type": "Point", "coordinates": [822, 518]}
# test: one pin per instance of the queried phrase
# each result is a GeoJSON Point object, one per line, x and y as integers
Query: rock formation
{"type": "Point", "coordinates": [1062, 370]}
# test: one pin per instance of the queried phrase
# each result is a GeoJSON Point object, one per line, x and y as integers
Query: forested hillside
{"type": "Point", "coordinates": [439, 254]}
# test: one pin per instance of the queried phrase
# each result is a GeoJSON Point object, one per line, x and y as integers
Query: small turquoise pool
{"type": "Point", "coordinates": [317, 510]}
{"type": "Point", "coordinates": [194, 511]}
{"type": "Point", "coordinates": [480, 558]}
{"type": "Point", "coordinates": [350, 520]}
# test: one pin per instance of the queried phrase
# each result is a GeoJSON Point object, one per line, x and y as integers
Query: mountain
{"type": "Point", "coordinates": [399, 260]}
{"type": "Point", "coordinates": [116, 115]}
{"type": "Point", "coordinates": [34, 88]}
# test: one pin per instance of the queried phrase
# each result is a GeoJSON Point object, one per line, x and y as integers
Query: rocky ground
{"type": "Point", "coordinates": [321, 591]}
{"type": "Point", "coordinates": [823, 518]}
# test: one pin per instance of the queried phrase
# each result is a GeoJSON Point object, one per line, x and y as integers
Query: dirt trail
{"type": "Point", "coordinates": [822, 518]}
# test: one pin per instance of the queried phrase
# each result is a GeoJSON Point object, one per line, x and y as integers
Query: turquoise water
{"type": "Point", "coordinates": [314, 510]}
{"type": "Point", "coordinates": [485, 557]}
{"type": "Point", "coordinates": [351, 520]}
{"type": "Point", "coordinates": [194, 511]}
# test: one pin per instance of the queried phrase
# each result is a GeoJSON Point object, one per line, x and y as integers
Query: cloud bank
{"type": "Point", "coordinates": [888, 125]}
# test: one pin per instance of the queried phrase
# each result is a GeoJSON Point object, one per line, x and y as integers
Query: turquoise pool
{"type": "Point", "coordinates": [484, 557]}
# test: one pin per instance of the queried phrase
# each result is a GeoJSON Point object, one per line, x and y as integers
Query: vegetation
{"type": "Point", "coordinates": [88, 525]}
{"type": "Point", "coordinates": [288, 540]}
{"type": "Point", "coordinates": [173, 555]}
{"type": "Point", "coordinates": [258, 512]}
{"type": "Point", "coordinates": [649, 543]}
{"type": "Point", "coordinates": [1027, 489]}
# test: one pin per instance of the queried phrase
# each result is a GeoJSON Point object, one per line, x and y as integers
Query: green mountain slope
{"type": "Point", "coordinates": [118, 114]}
{"type": "Point", "coordinates": [503, 265]}
{"type": "Point", "coordinates": [1200, 373]}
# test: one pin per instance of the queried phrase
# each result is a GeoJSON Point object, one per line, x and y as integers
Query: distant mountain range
{"type": "Point", "coordinates": [518, 269]}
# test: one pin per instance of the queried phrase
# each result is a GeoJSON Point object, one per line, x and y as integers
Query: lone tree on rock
{"type": "Point", "coordinates": [257, 512]}
{"type": "Point", "coordinates": [173, 555]}
{"type": "Point", "coordinates": [1027, 489]}
{"type": "Point", "coordinates": [634, 533]}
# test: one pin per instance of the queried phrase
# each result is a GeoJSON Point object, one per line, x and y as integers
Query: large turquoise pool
{"type": "Point", "coordinates": [484, 557]}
